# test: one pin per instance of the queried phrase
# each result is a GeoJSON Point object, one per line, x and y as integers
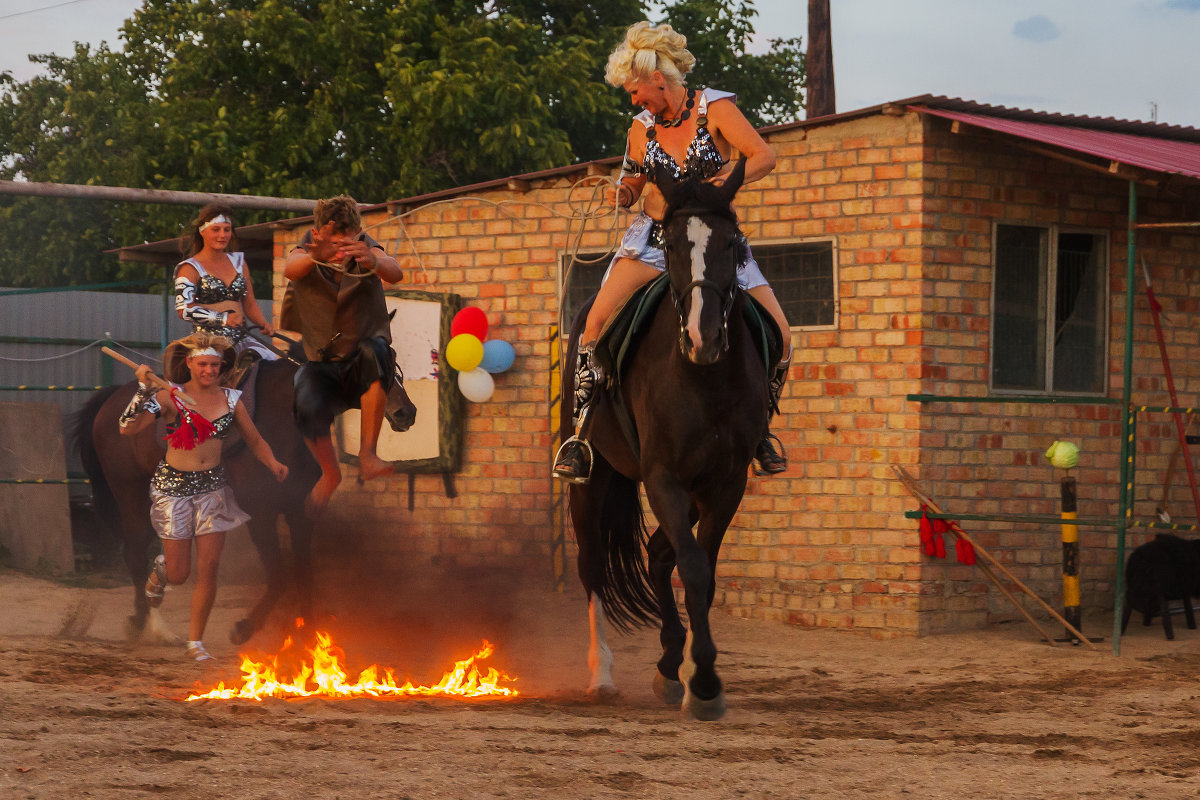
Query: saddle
{"type": "Point", "coordinates": [619, 340]}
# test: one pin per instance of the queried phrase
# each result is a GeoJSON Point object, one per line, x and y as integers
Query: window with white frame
{"type": "Point", "coordinates": [802, 274]}
{"type": "Point", "coordinates": [1049, 312]}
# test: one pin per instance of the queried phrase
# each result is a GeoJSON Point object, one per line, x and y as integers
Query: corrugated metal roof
{"type": "Point", "coordinates": [1161, 130]}
{"type": "Point", "coordinates": [1154, 153]}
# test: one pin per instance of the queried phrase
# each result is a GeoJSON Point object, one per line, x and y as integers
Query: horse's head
{"type": "Point", "coordinates": [703, 247]}
{"type": "Point", "coordinates": [400, 411]}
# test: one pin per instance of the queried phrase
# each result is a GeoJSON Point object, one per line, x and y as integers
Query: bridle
{"type": "Point", "coordinates": [726, 296]}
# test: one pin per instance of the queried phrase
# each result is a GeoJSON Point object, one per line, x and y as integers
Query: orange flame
{"type": "Point", "coordinates": [324, 677]}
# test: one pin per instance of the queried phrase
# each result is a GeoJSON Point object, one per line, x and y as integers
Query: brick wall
{"type": "Point", "coordinates": [988, 459]}
{"type": "Point", "coordinates": [911, 208]}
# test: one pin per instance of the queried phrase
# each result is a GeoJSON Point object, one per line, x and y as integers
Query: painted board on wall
{"type": "Point", "coordinates": [420, 329]}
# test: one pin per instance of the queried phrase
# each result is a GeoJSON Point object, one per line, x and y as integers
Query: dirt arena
{"type": "Point", "coordinates": [811, 714]}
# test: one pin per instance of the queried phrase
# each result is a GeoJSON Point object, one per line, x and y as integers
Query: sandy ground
{"type": "Point", "coordinates": [812, 714]}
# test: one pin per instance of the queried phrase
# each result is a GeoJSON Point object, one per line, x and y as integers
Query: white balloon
{"type": "Point", "coordinates": [476, 385]}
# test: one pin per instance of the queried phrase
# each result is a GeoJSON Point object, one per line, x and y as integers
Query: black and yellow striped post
{"type": "Point", "coordinates": [1070, 546]}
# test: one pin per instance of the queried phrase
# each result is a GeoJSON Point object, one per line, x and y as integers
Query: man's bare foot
{"type": "Point", "coordinates": [372, 466]}
{"type": "Point", "coordinates": [318, 498]}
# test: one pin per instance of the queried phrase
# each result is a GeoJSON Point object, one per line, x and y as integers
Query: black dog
{"type": "Point", "coordinates": [1165, 569]}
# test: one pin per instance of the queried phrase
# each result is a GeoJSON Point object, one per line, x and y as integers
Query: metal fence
{"type": "Point", "coordinates": [50, 342]}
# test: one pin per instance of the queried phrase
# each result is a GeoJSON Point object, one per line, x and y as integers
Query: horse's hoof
{"type": "Point", "coordinates": [241, 631]}
{"type": "Point", "coordinates": [703, 710]}
{"type": "Point", "coordinates": [157, 631]}
{"type": "Point", "coordinates": [667, 690]}
{"type": "Point", "coordinates": [135, 626]}
{"type": "Point", "coordinates": [603, 695]}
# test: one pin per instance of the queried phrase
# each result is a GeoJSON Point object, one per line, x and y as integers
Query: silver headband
{"type": "Point", "coordinates": [219, 218]}
{"type": "Point", "coordinates": [203, 351]}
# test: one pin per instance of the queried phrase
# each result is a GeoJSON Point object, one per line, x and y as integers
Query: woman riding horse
{"type": "Point", "coordinates": [213, 291]}
{"type": "Point", "coordinates": [690, 132]}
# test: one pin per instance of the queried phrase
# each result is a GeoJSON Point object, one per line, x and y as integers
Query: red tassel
{"type": "Point", "coordinates": [940, 526]}
{"type": "Point", "coordinates": [192, 428]}
{"type": "Point", "coordinates": [926, 529]}
{"type": "Point", "coordinates": [939, 545]}
{"type": "Point", "coordinates": [968, 552]}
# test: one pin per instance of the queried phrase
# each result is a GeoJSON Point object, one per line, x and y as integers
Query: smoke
{"type": "Point", "coordinates": [400, 612]}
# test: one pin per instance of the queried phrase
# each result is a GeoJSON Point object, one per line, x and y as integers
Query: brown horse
{"type": "Point", "coordinates": [695, 393]}
{"type": "Point", "coordinates": [120, 468]}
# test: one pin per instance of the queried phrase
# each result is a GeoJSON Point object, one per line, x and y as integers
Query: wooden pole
{"type": "Point", "coordinates": [819, 101]}
{"type": "Point", "coordinates": [1070, 549]}
{"type": "Point", "coordinates": [913, 489]}
{"type": "Point", "coordinates": [159, 196]}
{"type": "Point", "coordinates": [987, 571]}
{"type": "Point", "coordinates": [157, 381]}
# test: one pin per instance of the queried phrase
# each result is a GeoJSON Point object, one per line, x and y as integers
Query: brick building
{"type": "Point", "coordinates": [928, 246]}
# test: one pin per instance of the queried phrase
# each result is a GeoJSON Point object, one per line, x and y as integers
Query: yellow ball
{"type": "Point", "coordinates": [464, 352]}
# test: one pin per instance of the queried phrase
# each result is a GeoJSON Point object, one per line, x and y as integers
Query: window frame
{"type": "Point", "coordinates": [1053, 232]}
{"type": "Point", "coordinates": [757, 244]}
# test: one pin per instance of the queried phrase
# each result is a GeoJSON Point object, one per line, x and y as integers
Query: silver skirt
{"type": "Point", "coordinates": [638, 244]}
{"type": "Point", "coordinates": [180, 515]}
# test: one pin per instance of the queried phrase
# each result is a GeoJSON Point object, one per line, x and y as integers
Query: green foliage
{"type": "Point", "coordinates": [307, 98]}
{"type": "Point", "coordinates": [769, 86]}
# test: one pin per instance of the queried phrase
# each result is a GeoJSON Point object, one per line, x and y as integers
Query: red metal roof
{"type": "Point", "coordinates": [1170, 156]}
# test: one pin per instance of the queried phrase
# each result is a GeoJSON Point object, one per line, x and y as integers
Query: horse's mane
{"type": "Point", "coordinates": [696, 197]}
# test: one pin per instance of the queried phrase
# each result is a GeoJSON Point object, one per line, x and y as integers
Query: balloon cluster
{"type": "Point", "coordinates": [475, 356]}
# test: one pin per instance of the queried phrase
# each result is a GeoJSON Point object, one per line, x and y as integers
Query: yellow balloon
{"type": "Point", "coordinates": [464, 352]}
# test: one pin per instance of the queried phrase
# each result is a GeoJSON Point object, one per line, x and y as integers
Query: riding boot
{"type": "Point", "coordinates": [770, 461]}
{"type": "Point", "coordinates": [240, 366]}
{"type": "Point", "coordinates": [573, 463]}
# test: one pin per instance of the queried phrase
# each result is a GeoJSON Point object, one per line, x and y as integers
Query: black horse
{"type": "Point", "coordinates": [695, 393]}
{"type": "Point", "coordinates": [120, 468]}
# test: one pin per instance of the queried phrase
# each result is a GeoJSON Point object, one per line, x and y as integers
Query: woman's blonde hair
{"type": "Point", "coordinates": [646, 49]}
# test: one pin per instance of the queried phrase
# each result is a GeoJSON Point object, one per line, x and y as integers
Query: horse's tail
{"type": "Point", "coordinates": [79, 438]}
{"type": "Point", "coordinates": [624, 586]}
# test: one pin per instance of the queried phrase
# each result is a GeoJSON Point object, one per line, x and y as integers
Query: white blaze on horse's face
{"type": "Point", "coordinates": [698, 234]}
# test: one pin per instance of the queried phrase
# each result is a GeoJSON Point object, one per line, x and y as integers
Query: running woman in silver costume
{"type": "Point", "coordinates": [189, 499]}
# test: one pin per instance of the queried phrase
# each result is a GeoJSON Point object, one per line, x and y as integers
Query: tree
{"type": "Point", "coordinates": [769, 86]}
{"type": "Point", "coordinates": [307, 98]}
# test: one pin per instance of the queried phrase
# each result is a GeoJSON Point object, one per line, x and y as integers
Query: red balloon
{"type": "Point", "coordinates": [470, 320]}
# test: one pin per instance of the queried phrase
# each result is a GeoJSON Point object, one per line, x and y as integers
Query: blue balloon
{"type": "Point", "coordinates": [497, 356]}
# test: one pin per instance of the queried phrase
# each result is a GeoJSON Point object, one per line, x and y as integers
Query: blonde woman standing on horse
{"type": "Point", "coordinates": [190, 500]}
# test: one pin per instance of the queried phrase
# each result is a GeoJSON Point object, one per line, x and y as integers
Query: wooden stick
{"type": "Point", "coordinates": [912, 487]}
{"type": "Point", "coordinates": [157, 381]}
{"type": "Point", "coordinates": [986, 570]}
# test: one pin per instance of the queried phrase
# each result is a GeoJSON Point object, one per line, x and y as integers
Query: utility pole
{"type": "Point", "coordinates": [820, 96]}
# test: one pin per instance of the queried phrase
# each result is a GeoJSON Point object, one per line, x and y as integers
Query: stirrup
{"type": "Point", "coordinates": [573, 462]}
{"type": "Point", "coordinates": [196, 652]}
{"type": "Point", "coordinates": [156, 584]}
{"type": "Point", "coordinates": [769, 461]}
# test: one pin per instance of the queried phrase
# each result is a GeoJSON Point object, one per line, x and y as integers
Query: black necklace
{"type": "Point", "coordinates": [687, 112]}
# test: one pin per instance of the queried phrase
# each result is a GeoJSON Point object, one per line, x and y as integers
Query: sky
{"type": "Point", "coordinates": [1129, 59]}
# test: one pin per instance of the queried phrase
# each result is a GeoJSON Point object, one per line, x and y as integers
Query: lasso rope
{"type": "Point", "coordinates": [590, 208]}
